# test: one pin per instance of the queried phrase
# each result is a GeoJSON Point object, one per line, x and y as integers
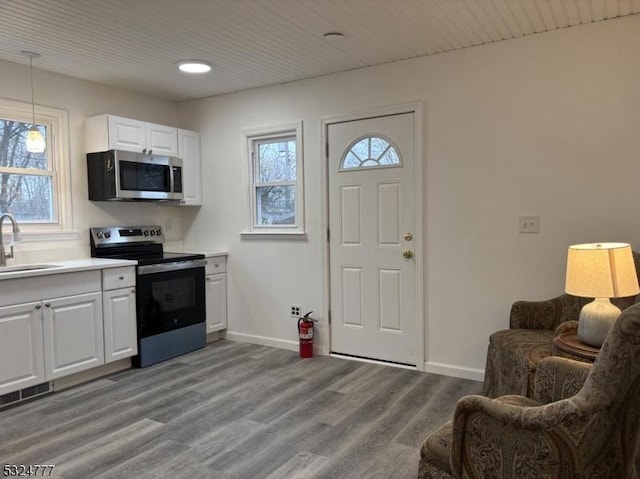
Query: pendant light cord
{"type": "Point", "coordinates": [33, 105]}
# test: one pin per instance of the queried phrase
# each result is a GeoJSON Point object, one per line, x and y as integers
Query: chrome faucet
{"type": "Point", "coordinates": [15, 237]}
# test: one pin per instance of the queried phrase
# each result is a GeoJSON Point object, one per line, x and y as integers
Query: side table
{"type": "Point", "coordinates": [568, 345]}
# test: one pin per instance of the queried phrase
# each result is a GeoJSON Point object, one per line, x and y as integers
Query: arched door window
{"type": "Point", "coordinates": [372, 151]}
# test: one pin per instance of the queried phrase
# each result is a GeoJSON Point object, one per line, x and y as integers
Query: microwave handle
{"type": "Point", "coordinates": [171, 179]}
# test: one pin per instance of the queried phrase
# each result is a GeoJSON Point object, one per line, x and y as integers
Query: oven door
{"type": "Point", "coordinates": [170, 296]}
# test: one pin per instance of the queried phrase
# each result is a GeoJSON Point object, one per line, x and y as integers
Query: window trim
{"type": "Point", "coordinates": [251, 137]}
{"type": "Point", "coordinates": [57, 121]}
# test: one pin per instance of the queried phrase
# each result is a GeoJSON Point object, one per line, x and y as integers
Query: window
{"type": "Point", "coordinates": [275, 164]}
{"type": "Point", "coordinates": [370, 152]}
{"type": "Point", "coordinates": [32, 187]}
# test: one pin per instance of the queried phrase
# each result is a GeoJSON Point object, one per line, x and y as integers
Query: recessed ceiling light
{"type": "Point", "coordinates": [333, 36]}
{"type": "Point", "coordinates": [194, 66]}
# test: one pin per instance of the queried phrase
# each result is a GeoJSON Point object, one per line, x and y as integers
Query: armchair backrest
{"type": "Point", "coordinates": [610, 397]}
{"type": "Point", "coordinates": [559, 309]}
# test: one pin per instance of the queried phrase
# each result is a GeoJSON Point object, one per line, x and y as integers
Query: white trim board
{"type": "Point", "coordinates": [454, 371]}
{"type": "Point", "coordinates": [262, 340]}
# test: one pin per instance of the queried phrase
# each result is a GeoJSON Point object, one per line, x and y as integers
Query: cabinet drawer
{"type": "Point", "coordinates": [216, 264]}
{"type": "Point", "coordinates": [114, 278]}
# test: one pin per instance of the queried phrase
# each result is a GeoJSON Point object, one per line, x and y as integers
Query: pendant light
{"type": "Point", "coordinates": [35, 140]}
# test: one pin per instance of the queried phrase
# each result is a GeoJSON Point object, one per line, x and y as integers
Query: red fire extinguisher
{"type": "Point", "coordinates": [305, 333]}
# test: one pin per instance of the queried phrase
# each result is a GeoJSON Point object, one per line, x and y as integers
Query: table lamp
{"type": "Point", "coordinates": [600, 271]}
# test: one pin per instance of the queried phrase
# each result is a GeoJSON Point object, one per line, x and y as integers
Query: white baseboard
{"type": "Point", "coordinates": [262, 340]}
{"type": "Point", "coordinates": [454, 371]}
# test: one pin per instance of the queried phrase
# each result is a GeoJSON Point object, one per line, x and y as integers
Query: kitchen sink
{"type": "Point", "coordinates": [26, 267]}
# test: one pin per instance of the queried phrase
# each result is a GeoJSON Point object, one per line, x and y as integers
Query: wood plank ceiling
{"type": "Point", "coordinates": [135, 44]}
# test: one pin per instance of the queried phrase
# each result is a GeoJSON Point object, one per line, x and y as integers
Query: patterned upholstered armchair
{"type": "Point", "coordinates": [513, 354]}
{"type": "Point", "coordinates": [590, 434]}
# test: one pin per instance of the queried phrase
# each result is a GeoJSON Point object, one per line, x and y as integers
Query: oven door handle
{"type": "Point", "coordinates": [174, 266]}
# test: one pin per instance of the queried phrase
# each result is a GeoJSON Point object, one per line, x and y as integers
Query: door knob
{"type": "Point", "coordinates": [408, 254]}
{"type": "Point", "coordinates": [408, 236]}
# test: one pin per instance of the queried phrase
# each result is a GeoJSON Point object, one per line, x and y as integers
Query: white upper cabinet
{"type": "Point", "coordinates": [189, 151]}
{"type": "Point", "coordinates": [162, 140]}
{"type": "Point", "coordinates": [110, 132]}
{"type": "Point", "coordinates": [124, 134]}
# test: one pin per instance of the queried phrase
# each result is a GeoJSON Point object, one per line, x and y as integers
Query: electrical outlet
{"type": "Point", "coordinates": [528, 224]}
{"type": "Point", "coordinates": [294, 311]}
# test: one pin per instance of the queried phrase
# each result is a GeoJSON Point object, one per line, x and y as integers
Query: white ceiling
{"type": "Point", "coordinates": [135, 44]}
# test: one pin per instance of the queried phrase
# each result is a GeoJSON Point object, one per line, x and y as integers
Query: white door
{"type": "Point", "coordinates": [371, 219]}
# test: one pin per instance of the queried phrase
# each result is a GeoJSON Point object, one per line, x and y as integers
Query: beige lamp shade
{"type": "Point", "coordinates": [601, 270]}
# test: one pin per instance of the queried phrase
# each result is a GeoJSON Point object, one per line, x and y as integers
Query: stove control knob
{"type": "Point", "coordinates": [99, 234]}
{"type": "Point", "coordinates": [145, 232]}
{"type": "Point", "coordinates": [158, 232]}
{"type": "Point", "coordinates": [107, 235]}
{"type": "Point", "coordinates": [153, 233]}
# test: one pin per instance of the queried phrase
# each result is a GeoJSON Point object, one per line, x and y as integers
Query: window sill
{"type": "Point", "coordinates": [275, 235]}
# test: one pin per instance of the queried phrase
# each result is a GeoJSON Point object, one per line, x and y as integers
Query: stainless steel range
{"type": "Point", "coordinates": [170, 289]}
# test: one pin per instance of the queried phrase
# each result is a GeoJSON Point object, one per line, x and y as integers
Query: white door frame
{"type": "Point", "coordinates": [415, 107]}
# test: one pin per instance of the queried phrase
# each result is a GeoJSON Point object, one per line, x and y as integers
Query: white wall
{"type": "Point", "coordinates": [546, 125]}
{"type": "Point", "coordinates": [83, 99]}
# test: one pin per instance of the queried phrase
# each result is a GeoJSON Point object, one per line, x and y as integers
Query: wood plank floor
{"type": "Point", "coordinates": [235, 411]}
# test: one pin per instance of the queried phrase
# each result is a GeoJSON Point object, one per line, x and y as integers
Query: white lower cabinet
{"type": "Point", "coordinates": [216, 297]}
{"type": "Point", "coordinates": [45, 340]}
{"type": "Point", "coordinates": [88, 321]}
{"type": "Point", "coordinates": [22, 358]}
{"type": "Point", "coordinates": [120, 336]}
{"type": "Point", "coordinates": [73, 335]}
{"type": "Point", "coordinates": [119, 304]}
{"type": "Point", "coordinates": [216, 292]}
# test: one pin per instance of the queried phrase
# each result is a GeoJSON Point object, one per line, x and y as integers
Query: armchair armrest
{"type": "Point", "coordinates": [483, 430]}
{"type": "Point", "coordinates": [559, 378]}
{"type": "Point", "coordinates": [546, 314]}
{"type": "Point", "coordinates": [566, 327]}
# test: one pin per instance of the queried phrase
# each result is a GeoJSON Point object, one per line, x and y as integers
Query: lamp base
{"type": "Point", "coordinates": [596, 318]}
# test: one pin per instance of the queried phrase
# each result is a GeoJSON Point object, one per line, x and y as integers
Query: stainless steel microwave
{"type": "Point", "coordinates": [116, 175]}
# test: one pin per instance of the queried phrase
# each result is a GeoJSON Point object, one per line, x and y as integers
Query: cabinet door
{"type": "Point", "coordinates": [73, 334]}
{"type": "Point", "coordinates": [216, 297]}
{"type": "Point", "coordinates": [189, 151]}
{"type": "Point", "coordinates": [162, 139]}
{"type": "Point", "coordinates": [126, 134]}
{"type": "Point", "coordinates": [120, 337]}
{"type": "Point", "coordinates": [21, 358]}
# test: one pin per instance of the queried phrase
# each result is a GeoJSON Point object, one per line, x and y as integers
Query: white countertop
{"type": "Point", "coordinates": [209, 254]}
{"type": "Point", "coordinates": [57, 267]}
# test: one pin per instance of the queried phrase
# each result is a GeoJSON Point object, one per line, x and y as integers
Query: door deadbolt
{"type": "Point", "coordinates": [408, 254]}
{"type": "Point", "coordinates": [408, 236]}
